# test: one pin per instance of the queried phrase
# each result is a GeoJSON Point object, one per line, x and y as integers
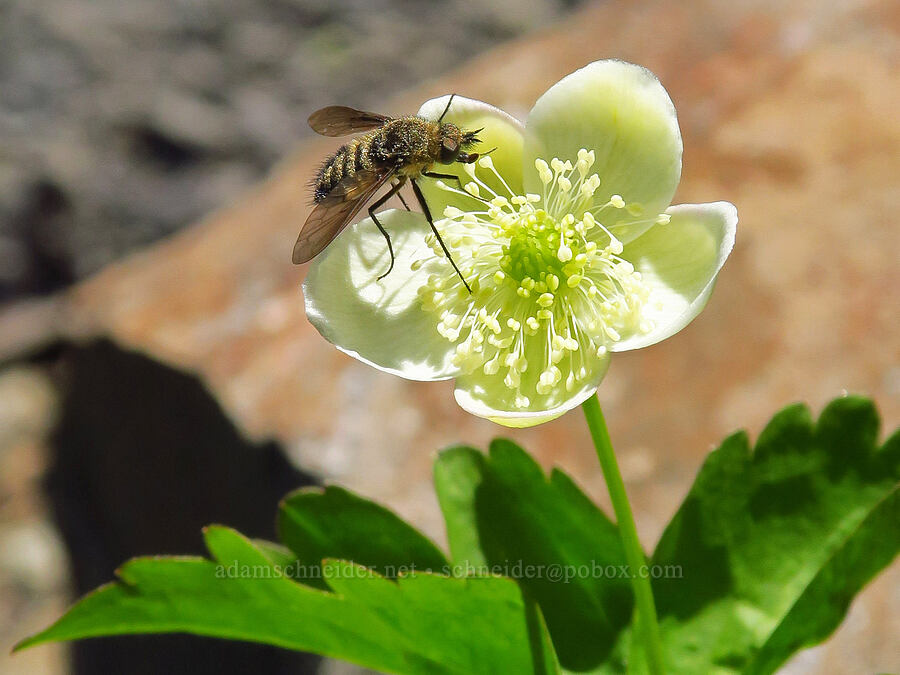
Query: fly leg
{"type": "Point", "coordinates": [437, 234]}
{"type": "Point", "coordinates": [395, 188]}
{"type": "Point", "coordinates": [445, 176]}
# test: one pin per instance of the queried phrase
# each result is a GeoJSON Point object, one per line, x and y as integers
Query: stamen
{"type": "Point", "coordinates": [547, 279]}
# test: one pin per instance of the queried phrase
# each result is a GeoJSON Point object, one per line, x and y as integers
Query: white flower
{"type": "Point", "coordinates": [565, 235]}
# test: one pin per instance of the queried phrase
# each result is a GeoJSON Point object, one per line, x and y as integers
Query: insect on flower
{"type": "Point", "coordinates": [403, 149]}
{"type": "Point", "coordinates": [568, 240]}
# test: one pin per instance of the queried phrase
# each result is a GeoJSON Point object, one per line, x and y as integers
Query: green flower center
{"type": "Point", "coordinates": [551, 293]}
{"type": "Point", "coordinates": [534, 243]}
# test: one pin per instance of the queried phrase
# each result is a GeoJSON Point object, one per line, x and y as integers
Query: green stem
{"type": "Point", "coordinates": [647, 623]}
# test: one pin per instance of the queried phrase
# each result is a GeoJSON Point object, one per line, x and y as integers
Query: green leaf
{"type": "Point", "coordinates": [545, 533]}
{"type": "Point", "coordinates": [450, 625]}
{"type": "Point", "coordinates": [423, 623]}
{"type": "Point", "coordinates": [457, 475]}
{"type": "Point", "coordinates": [334, 523]}
{"type": "Point", "coordinates": [773, 545]}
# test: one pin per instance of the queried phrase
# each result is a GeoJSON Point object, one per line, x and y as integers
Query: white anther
{"type": "Point", "coordinates": [486, 162]}
{"type": "Point", "coordinates": [615, 246]}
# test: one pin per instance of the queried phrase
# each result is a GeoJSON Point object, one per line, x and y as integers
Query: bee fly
{"type": "Point", "coordinates": [397, 150]}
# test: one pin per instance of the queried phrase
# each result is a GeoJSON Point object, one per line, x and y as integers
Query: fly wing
{"type": "Point", "coordinates": [338, 120]}
{"type": "Point", "coordinates": [333, 213]}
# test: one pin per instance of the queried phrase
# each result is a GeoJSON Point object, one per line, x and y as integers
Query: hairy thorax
{"type": "Point", "coordinates": [410, 143]}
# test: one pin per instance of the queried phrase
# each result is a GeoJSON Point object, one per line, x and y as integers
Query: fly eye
{"type": "Point", "coordinates": [449, 151]}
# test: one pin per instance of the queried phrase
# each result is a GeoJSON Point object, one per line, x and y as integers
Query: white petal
{"type": "Point", "coordinates": [488, 397]}
{"type": "Point", "coordinates": [680, 261]}
{"type": "Point", "coordinates": [378, 322]}
{"type": "Point", "coordinates": [622, 113]}
{"type": "Point", "coordinates": [500, 131]}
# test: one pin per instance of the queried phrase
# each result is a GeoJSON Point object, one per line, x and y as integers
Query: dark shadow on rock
{"type": "Point", "coordinates": [143, 458]}
{"type": "Point", "coordinates": [42, 213]}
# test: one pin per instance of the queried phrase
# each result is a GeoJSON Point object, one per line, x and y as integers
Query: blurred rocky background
{"type": "Point", "coordinates": [123, 121]}
{"type": "Point", "coordinates": [183, 385]}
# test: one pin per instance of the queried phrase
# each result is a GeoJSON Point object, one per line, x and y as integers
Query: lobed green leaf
{"type": "Point", "coordinates": [424, 623]}
{"type": "Point", "coordinates": [773, 544]}
{"type": "Point", "coordinates": [317, 523]}
{"type": "Point", "coordinates": [503, 512]}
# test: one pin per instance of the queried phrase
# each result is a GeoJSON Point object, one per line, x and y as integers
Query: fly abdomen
{"type": "Point", "coordinates": [346, 161]}
{"type": "Point", "coordinates": [330, 173]}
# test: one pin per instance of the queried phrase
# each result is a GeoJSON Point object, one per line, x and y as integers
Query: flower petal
{"type": "Point", "coordinates": [378, 322]}
{"type": "Point", "coordinates": [622, 113]}
{"type": "Point", "coordinates": [488, 396]}
{"type": "Point", "coordinates": [679, 261]}
{"type": "Point", "coordinates": [500, 131]}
